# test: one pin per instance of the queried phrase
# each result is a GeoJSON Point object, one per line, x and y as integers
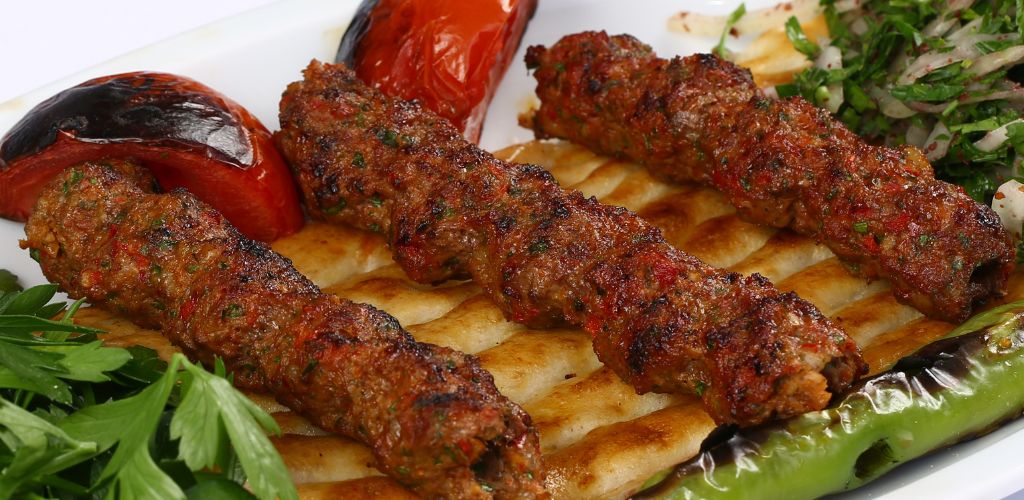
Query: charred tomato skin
{"type": "Point", "coordinates": [448, 54]}
{"type": "Point", "coordinates": [187, 134]}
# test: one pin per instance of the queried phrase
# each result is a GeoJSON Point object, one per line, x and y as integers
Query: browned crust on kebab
{"type": "Point", "coordinates": [661, 319]}
{"type": "Point", "coordinates": [781, 163]}
{"type": "Point", "coordinates": [432, 416]}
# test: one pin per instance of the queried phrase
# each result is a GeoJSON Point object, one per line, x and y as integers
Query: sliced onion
{"type": "Point", "coordinates": [859, 26]}
{"type": "Point", "coordinates": [937, 144]}
{"type": "Point", "coordinates": [976, 86]}
{"type": "Point", "coordinates": [1014, 94]}
{"type": "Point", "coordinates": [756, 21]}
{"type": "Point", "coordinates": [965, 30]}
{"type": "Point", "coordinates": [917, 136]}
{"type": "Point", "coordinates": [1008, 203]}
{"type": "Point", "coordinates": [958, 5]}
{"type": "Point", "coordinates": [831, 58]}
{"type": "Point", "coordinates": [848, 5]}
{"type": "Point", "coordinates": [1006, 90]}
{"type": "Point", "coordinates": [995, 138]}
{"type": "Point", "coordinates": [975, 39]}
{"type": "Point", "coordinates": [949, 18]}
{"type": "Point", "coordinates": [1014, 100]}
{"type": "Point", "coordinates": [997, 60]}
{"type": "Point", "coordinates": [927, 107]}
{"type": "Point", "coordinates": [940, 25]}
{"type": "Point", "coordinates": [931, 61]}
{"type": "Point", "coordinates": [889, 105]}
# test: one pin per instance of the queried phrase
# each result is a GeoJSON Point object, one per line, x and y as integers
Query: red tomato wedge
{"type": "Point", "coordinates": [448, 54]}
{"type": "Point", "coordinates": [189, 135]}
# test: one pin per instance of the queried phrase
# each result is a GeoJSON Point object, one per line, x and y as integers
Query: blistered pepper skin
{"type": "Point", "coordinates": [951, 390]}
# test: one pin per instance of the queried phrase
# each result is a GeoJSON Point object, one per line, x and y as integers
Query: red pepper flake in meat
{"type": "Point", "coordinates": [649, 307]}
{"type": "Point", "coordinates": [348, 368]}
{"type": "Point", "coordinates": [712, 125]}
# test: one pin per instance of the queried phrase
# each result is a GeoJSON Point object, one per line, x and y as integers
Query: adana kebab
{"type": "Point", "coordinates": [431, 415]}
{"type": "Point", "coordinates": [663, 320]}
{"type": "Point", "coordinates": [782, 163]}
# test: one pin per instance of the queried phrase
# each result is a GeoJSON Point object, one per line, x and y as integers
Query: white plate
{"type": "Point", "coordinates": [253, 56]}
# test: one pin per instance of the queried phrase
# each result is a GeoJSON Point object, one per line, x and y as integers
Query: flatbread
{"type": "Point", "coordinates": [600, 439]}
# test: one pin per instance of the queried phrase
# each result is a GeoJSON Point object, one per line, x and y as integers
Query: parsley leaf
{"type": "Point", "coordinates": [144, 367]}
{"type": "Point", "coordinates": [17, 327]}
{"type": "Point", "coordinates": [90, 362]}
{"type": "Point", "coordinates": [8, 282]}
{"type": "Point", "coordinates": [32, 370]}
{"type": "Point", "coordinates": [39, 448]}
{"type": "Point", "coordinates": [893, 46]}
{"type": "Point", "coordinates": [799, 40]}
{"type": "Point", "coordinates": [937, 92]}
{"type": "Point", "coordinates": [734, 17]}
{"type": "Point", "coordinates": [146, 428]}
{"type": "Point", "coordinates": [211, 406]}
{"type": "Point", "coordinates": [31, 300]}
{"type": "Point", "coordinates": [141, 478]}
{"type": "Point", "coordinates": [218, 488]}
{"type": "Point", "coordinates": [127, 422]}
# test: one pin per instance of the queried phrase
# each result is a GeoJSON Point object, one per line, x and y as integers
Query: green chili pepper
{"type": "Point", "coordinates": [942, 394]}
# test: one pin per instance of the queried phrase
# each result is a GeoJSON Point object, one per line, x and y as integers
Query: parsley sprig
{"type": "Point", "coordinates": [932, 73]}
{"type": "Point", "coordinates": [731, 21]}
{"type": "Point", "coordinates": [80, 420]}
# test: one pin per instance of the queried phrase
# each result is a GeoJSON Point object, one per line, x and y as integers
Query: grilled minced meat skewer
{"type": "Point", "coordinates": [782, 163]}
{"type": "Point", "coordinates": [663, 320]}
{"type": "Point", "coordinates": [432, 416]}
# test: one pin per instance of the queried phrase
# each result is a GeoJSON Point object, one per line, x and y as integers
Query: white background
{"type": "Point", "coordinates": [43, 41]}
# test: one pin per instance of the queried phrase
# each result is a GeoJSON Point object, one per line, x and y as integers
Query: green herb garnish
{"type": "Point", "coordinates": [734, 17]}
{"type": "Point", "coordinates": [799, 40]}
{"type": "Point", "coordinates": [78, 419]}
{"type": "Point", "coordinates": [913, 70]}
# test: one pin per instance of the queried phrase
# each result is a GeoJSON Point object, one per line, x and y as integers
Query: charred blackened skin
{"type": "Point", "coordinates": [150, 109]}
{"type": "Point", "coordinates": [663, 320]}
{"type": "Point", "coordinates": [432, 416]}
{"type": "Point", "coordinates": [782, 163]}
{"type": "Point", "coordinates": [186, 134]}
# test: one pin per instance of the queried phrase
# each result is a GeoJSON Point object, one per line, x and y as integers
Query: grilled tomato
{"type": "Point", "coordinates": [448, 54]}
{"type": "Point", "coordinates": [187, 134]}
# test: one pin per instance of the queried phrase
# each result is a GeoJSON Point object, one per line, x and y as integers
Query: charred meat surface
{"type": "Point", "coordinates": [782, 163]}
{"type": "Point", "coordinates": [663, 320]}
{"type": "Point", "coordinates": [432, 416]}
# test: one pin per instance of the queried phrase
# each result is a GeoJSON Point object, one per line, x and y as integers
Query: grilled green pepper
{"type": "Point", "coordinates": [951, 390]}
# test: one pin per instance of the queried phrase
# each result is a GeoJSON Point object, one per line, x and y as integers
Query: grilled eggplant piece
{"type": "Point", "coordinates": [186, 133]}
